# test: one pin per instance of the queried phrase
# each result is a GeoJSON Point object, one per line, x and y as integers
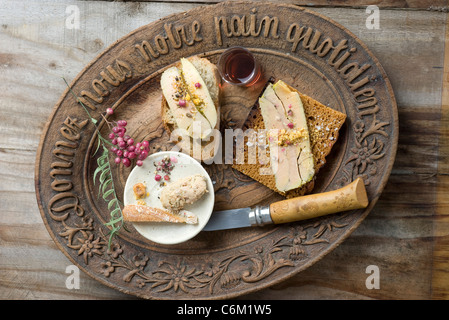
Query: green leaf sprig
{"type": "Point", "coordinates": [107, 192]}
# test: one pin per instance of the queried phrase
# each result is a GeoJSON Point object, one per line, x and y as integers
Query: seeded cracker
{"type": "Point", "coordinates": [323, 123]}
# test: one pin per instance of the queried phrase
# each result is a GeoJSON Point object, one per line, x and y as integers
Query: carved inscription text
{"type": "Point", "coordinates": [65, 201]}
{"type": "Point", "coordinates": [337, 56]}
{"type": "Point", "coordinates": [237, 26]}
{"type": "Point", "coordinates": [172, 36]}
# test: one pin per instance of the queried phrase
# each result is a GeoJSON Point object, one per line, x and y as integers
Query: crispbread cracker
{"type": "Point", "coordinates": [323, 123]}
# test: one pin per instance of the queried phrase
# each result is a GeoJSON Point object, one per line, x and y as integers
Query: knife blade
{"type": "Point", "coordinates": [350, 197]}
{"type": "Point", "coordinates": [229, 219]}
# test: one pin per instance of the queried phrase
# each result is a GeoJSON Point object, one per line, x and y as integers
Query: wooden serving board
{"type": "Point", "coordinates": [312, 53]}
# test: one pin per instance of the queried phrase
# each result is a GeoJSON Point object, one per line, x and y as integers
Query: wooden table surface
{"type": "Point", "coordinates": [406, 235]}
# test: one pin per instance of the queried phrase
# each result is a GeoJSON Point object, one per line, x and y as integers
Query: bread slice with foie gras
{"type": "Point", "coordinates": [294, 155]}
{"type": "Point", "coordinates": [190, 107]}
{"type": "Point", "coordinates": [317, 115]}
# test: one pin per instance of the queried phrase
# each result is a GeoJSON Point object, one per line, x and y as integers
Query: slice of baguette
{"type": "Point", "coordinates": [323, 123]}
{"type": "Point", "coordinates": [186, 144]}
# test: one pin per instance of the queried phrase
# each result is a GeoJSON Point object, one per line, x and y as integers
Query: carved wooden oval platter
{"type": "Point", "coordinates": [316, 55]}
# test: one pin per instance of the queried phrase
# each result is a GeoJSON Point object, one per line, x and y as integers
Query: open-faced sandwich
{"type": "Point", "coordinates": [300, 135]}
{"type": "Point", "coordinates": [283, 114]}
{"type": "Point", "coordinates": [191, 107]}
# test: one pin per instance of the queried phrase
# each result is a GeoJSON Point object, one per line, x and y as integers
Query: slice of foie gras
{"type": "Point", "coordinates": [187, 117]}
{"type": "Point", "coordinates": [283, 159]}
{"type": "Point", "coordinates": [278, 160]}
{"type": "Point", "coordinates": [182, 192]}
{"type": "Point", "coordinates": [292, 101]}
{"type": "Point", "coordinates": [199, 91]}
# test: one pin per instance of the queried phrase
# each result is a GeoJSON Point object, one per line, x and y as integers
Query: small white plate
{"type": "Point", "coordinates": [161, 232]}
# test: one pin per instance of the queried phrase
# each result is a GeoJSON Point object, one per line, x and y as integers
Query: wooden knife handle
{"type": "Point", "coordinates": [353, 196]}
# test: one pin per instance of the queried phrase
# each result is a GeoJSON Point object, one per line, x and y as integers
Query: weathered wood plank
{"type": "Point", "coordinates": [436, 5]}
{"type": "Point", "coordinates": [440, 275]}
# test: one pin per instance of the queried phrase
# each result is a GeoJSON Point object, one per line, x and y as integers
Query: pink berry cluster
{"type": "Point", "coordinates": [124, 148]}
{"type": "Point", "coordinates": [166, 165]}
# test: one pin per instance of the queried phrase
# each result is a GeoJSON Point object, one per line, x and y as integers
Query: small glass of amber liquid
{"type": "Point", "coordinates": [238, 66]}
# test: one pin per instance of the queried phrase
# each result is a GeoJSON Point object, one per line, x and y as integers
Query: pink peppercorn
{"type": "Point", "coordinates": [157, 177]}
{"type": "Point", "coordinates": [166, 177]}
{"type": "Point", "coordinates": [126, 162]}
{"type": "Point", "coordinates": [182, 103]}
{"type": "Point", "coordinates": [290, 125]}
{"type": "Point", "coordinates": [197, 85]}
